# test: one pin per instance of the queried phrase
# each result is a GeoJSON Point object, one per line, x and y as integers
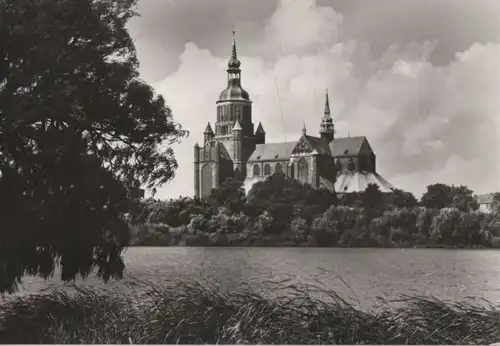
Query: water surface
{"type": "Point", "coordinates": [363, 274]}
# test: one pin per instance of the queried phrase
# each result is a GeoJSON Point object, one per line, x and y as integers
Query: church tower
{"type": "Point", "coordinates": [327, 130]}
{"type": "Point", "coordinates": [234, 127]}
{"type": "Point", "coordinates": [227, 149]}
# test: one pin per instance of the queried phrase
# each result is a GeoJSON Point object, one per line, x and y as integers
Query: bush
{"type": "Point", "coordinates": [281, 211]}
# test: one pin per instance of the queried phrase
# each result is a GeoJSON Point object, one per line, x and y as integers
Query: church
{"type": "Point", "coordinates": [233, 148]}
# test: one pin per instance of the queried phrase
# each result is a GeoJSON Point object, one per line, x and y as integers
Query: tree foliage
{"type": "Point", "coordinates": [77, 128]}
{"type": "Point", "coordinates": [439, 196]}
{"type": "Point", "coordinates": [495, 203]}
{"type": "Point", "coordinates": [401, 199]}
{"type": "Point", "coordinates": [230, 194]}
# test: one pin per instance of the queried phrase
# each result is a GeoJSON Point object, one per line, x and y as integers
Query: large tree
{"type": "Point", "coordinates": [440, 196]}
{"type": "Point", "coordinates": [437, 196]}
{"type": "Point", "coordinates": [77, 128]}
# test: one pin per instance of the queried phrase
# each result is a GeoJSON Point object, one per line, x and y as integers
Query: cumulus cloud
{"type": "Point", "coordinates": [427, 123]}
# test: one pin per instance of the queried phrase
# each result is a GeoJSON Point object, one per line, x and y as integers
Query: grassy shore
{"type": "Point", "coordinates": [189, 313]}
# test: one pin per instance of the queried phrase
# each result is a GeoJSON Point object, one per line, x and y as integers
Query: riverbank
{"type": "Point", "coordinates": [190, 313]}
{"type": "Point", "coordinates": [401, 235]}
{"type": "Point", "coordinates": [291, 244]}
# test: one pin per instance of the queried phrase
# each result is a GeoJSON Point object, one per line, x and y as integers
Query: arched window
{"type": "Point", "coordinates": [206, 180]}
{"type": "Point", "coordinates": [267, 169]}
{"type": "Point", "coordinates": [351, 165]}
{"type": "Point", "coordinates": [292, 171]}
{"type": "Point", "coordinates": [278, 168]}
{"type": "Point", "coordinates": [303, 171]}
{"type": "Point", "coordinates": [362, 163]}
{"type": "Point", "coordinates": [256, 170]}
{"type": "Point", "coordinates": [338, 165]}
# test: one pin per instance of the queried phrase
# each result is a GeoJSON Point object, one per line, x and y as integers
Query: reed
{"type": "Point", "coordinates": [192, 312]}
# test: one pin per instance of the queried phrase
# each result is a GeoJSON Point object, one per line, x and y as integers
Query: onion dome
{"type": "Point", "coordinates": [234, 92]}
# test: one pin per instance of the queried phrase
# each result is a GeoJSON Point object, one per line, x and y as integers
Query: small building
{"type": "Point", "coordinates": [485, 202]}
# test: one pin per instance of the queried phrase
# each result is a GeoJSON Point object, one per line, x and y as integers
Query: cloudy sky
{"type": "Point", "coordinates": [419, 78]}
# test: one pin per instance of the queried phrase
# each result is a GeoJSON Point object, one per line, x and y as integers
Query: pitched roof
{"type": "Point", "coordinates": [358, 182]}
{"type": "Point", "coordinates": [485, 199]}
{"type": "Point", "coordinates": [272, 151]}
{"type": "Point", "coordinates": [223, 153]}
{"type": "Point", "coordinates": [347, 146]}
{"type": "Point", "coordinates": [319, 144]}
{"type": "Point", "coordinates": [327, 184]}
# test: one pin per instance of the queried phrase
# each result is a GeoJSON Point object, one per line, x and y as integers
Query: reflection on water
{"type": "Point", "coordinates": [369, 273]}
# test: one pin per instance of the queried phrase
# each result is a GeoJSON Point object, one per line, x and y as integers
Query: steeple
{"type": "Point", "coordinates": [260, 129]}
{"type": "Point", "coordinates": [260, 134]}
{"type": "Point", "coordinates": [237, 126]}
{"type": "Point", "coordinates": [208, 130]}
{"type": "Point", "coordinates": [304, 130]}
{"type": "Point", "coordinates": [327, 130]}
{"type": "Point", "coordinates": [233, 61]}
{"type": "Point", "coordinates": [234, 91]}
{"type": "Point", "coordinates": [327, 105]}
{"type": "Point", "coordinates": [208, 134]}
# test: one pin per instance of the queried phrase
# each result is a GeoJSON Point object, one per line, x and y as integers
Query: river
{"type": "Point", "coordinates": [362, 274]}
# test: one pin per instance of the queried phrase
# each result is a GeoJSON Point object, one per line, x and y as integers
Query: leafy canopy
{"type": "Point", "coordinates": [77, 128]}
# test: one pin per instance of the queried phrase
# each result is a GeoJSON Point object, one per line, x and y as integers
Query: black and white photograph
{"type": "Point", "coordinates": [250, 172]}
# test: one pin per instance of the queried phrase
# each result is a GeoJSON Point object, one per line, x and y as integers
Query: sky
{"type": "Point", "coordinates": [419, 78]}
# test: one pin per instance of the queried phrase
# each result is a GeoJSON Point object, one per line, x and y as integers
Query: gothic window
{"type": "Point", "coordinates": [351, 165]}
{"type": "Point", "coordinates": [206, 180]}
{"type": "Point", "coordinates": [362, 164]}
{"type": "Point", "coordinates": [338, 165]}
{"type": "Point", "coordinates": [256, 170]}
{"type": "Point", "coordinates": [303, 171]}
{"type": "Point", "coordinates": [278, 168]}
{"type": "Point", "coordinates": [267, 169]}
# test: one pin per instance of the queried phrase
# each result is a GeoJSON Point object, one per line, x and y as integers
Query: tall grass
{"type": "Point", "coordinates": [190, 313]}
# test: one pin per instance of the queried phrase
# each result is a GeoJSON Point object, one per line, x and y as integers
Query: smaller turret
{"type": "Point", "coordinates": [237, 127]}
{"type": "Point", "coordinates": [196, 152]}
{"type": "Point", "coordinates": [260, 134]}
{"type": "Point", "coordinates": [208, 134]}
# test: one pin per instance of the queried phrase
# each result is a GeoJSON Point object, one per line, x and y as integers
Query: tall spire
{"type": "Point", "coordinates": [327, 129]}
{"type": "Point", "coordinates": [233, 61]}
{"type": "Point", "coordinates": [304, 130]}
{"type": "Point", "coordinates": [327, 105]}
{"type": "Point", "coordinates": [234, 55]}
